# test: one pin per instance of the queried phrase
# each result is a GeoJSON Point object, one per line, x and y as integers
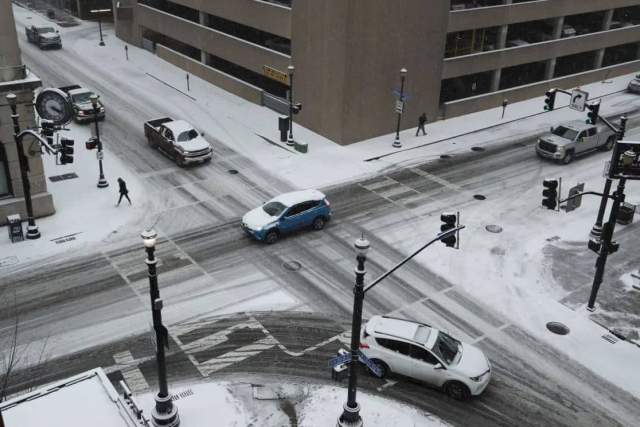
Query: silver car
{"type": "Point", "coordinates": [634, 85]}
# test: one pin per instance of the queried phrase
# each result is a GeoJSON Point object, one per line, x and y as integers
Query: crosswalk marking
{"type": "Point", "coordinates": [437, 179]}
{"type": "Point", "coordinates": [126, 364]}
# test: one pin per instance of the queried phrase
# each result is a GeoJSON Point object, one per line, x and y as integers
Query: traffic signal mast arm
{"type": "Point", "coordinates": [586, 193]}
{"type": "Point", "coordinates": [440, 236]}
{"type": "Point", "coordinates": [40, 139]}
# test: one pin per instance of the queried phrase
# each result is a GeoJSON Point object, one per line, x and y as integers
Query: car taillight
{"type": "Point", "coordinates": [364, 345]}
{"type": "Point", "coordinates": [326, 202]}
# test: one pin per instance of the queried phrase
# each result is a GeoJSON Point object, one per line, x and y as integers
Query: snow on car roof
{"type": "Point", "coordinates": [178, 126]}
{"type": "Point", "coordinates": [396, 327]}
{"type": "Point", "coordinates": [295, 197]}
{"type": "Point", "coordinates": [79, 91]}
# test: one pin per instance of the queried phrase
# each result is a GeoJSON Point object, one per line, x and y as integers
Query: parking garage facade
{"type": "Point", "coordinates": [462, 56]}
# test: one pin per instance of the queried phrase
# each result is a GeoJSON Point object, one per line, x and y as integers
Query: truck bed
{"type": "Point", "coordinates": [66, 89]}
{"type": "Point", "coordinates": [153, 125]}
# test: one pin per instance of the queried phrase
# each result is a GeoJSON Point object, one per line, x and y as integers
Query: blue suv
{"type": "Point", "coordinates": [286, 213]}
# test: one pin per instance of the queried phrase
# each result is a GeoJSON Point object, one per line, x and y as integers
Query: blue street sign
{"type": "Point", "coordinates": [404, 95]}
{"type": "Point", "coordinates": [370, 364]}
{"type": "Point", "coordinates": [339, 360]}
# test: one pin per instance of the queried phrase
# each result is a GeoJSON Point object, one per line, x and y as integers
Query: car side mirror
{"type": "Point", "coordinates": [438, 366]}
{"type": "Point", "coordinates": [551, 129]}
{"type": "Point", "coordinates": [201, 133]}
{"type": "Point", "coordinates": [583, 139]}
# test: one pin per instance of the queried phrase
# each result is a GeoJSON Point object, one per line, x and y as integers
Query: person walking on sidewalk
{"type": "Point", "coordinates": [123, 191]}
{"type": "Point", "coordinates": [421, 122]}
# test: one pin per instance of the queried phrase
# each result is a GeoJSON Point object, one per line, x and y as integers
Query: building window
{"type": "Point", "coordinates": [574, 64]}
{"type": "Point", "coordinates": [5, 189]}
{"type": "Point", "coordinates": [465, 86]}
{"type": "Point", "coordinates": [521, 75]}
{"type": "Point", "coordinates": [615, 55]}
{"type": "Point", "coordinates": [471, 41]}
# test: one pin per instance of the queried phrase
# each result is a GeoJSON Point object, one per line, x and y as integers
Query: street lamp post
{"type": "Point", "coordinates": [291, 68]}
{"type": "Point", "coordinates": [403, 74]}
{"type": "Point", "coordinates": [165, 413]}
{"type": "Point", "coordinates": [32, 229]}
{"type": "Point", "coordinates": [100, 26]}
{"type": "Point", "coordinates": [102, 181]}
{"type": "Point", "coordinates": [351, 413]}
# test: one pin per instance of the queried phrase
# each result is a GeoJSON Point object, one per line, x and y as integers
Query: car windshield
{"type": "Point", "coordinates": [566, 133]}
{"type": "Point", "coordinates": [448, 349]}
{"type": "Point", "coordinates": [274, 208]}
{"type": "Point", "coordinates": [188, 136]}
{"type": "Point", "coordinates": [82, 97]}
{"type": "Point", "coordinates": [45, 30]}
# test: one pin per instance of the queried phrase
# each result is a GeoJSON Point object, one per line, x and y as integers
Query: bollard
{"type": "Point", "coordinates": [126, 52]}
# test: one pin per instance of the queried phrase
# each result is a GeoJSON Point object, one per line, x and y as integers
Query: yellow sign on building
{"type": "Point", "coordinates": [274, 74]}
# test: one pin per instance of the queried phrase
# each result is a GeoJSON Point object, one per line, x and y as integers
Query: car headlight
{"type": "Point", "coordinates": [102, 109]}
{"type": "Point", "coordinates": [560, 148]}
{"type": "Point", "coordinates": [80, 113]}
{"type": "Point", "coordinates": [478, 378]}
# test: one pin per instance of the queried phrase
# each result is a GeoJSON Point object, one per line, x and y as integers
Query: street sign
{"type": "Point", "coordinates": [100, 155]}
{"type": "Point", "coordinates": [578, 99]}
{"type": "Point", "coordinates": [574, 204]}
{"type": "Point", "coordinates": [274, 74]}
{"type": "Point", "coordinates": [399, 106]}
{"type": "Point", "coordinates": [339, 360]}
{"type": "Point", "coordinates": [605, 173]}
{"type": "Point", "coordinates": [369, 363]}
{"type": "Point", "coordinates": [405, 95]}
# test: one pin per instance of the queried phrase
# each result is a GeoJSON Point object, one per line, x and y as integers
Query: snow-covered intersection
{"type": "Point", "coordinates": [498, 291]}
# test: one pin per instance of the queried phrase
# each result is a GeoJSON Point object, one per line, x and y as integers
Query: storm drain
{"type": "Point", "coordinates": [180, 395]}
{"type": "Point", "coordinates": [445, 156]}
{"type": "Point", "coordinates": [479, 197]}
{"type": "Point", "coordinates": [233, 171]}
{"type": "Point", "coordinates": [292, 266]}
{"type": "Point", "coordinates": [494, 228]}
{"type": "Point", "coordinates": [557, 328]}
{"type": "Point", "coordinates": [610, 338]}
{"type": "Point", "coordinates": [57, 178]}
{"type": "Point", "coordinates": [477, 149]}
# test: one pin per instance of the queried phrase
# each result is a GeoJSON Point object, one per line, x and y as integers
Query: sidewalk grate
{"type": "Point", "coordinates": [57, 178]}
{"type": "Point", "coordinates": [180, 395]}
{"type": "Point", "coordinates": [610, 338]}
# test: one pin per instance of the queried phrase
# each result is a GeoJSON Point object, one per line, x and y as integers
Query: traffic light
{"type": "Point", "coordinates": [296, 108]}
{"type": "Point", "coordinates": [92, 143]}
{"type": "Point", "coordinates": [592, 115]}
{"type": "Point", "coordinates": [66, 150]}
{"type": "Point", "coordinates": [449, 221]}
{"type": "Point", "coordinates": [551, 100]}
{"type": "Point", "coordinates": [550, 193]}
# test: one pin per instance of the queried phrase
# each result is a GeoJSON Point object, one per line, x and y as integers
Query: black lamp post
{"type": "Point", "coordinates": [102, 181]}
{"type": "Point", "coordinates": [351, 413]}
{"type": "Point", "coordinates": [32, 229]}
{"type": "Point", "coordinates": [291, 68]}
{"type": "Point", "coordinates": [165, 413]}
{"type": "Point", "coordinates": [403, 74]}
{"type": "Point", "coordinates": [98, 12]}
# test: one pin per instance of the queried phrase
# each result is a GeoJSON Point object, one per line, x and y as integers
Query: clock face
{"type": "Point", "coordinates": [52, 104]}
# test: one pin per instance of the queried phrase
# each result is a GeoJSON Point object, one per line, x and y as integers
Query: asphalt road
{"type": "Point", "coordinates": [93, 308]}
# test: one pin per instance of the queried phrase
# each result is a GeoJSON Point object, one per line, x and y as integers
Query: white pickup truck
{"type": "Point", "coordinates": [573, 139]}
{"type": "Point", "coordinates": [178, 140]}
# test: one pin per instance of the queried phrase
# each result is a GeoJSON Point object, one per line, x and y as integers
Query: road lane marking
{"type": "Point", "coordinates": [387, 384]}
{"type": "Point", "coordinates": [128, 366]}
{"type": "Point", "coordinates": [437, 179]}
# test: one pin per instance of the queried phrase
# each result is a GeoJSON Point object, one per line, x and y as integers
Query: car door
{"type": "Point", "coordinates": [423, 366]}
{"type": "Point", "coordinates": [592, 137]}
{"type": "Point", "coordinates": [396, 355]}
{"type": "Point", "coordinates": [291, 218]}
{"type": "Point", "coordinates": [582, 142]}
{"type": "Point", "coordinates": [307, 214]}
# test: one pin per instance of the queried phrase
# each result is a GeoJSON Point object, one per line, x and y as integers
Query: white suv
{"type": "Point", "coordinates": [419, 351]}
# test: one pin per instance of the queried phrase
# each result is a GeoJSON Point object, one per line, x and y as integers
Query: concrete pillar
{"type": "Point", "coordinates": [204, 21]}
{"type": "Point", "coordinates": [556, 33]}
{"type": "Point", "coordinates": [606, 24]}
{"type": "Point", "coordinates": [500, 42]}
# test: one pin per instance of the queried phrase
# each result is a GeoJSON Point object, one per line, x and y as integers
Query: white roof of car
{"type": "Point", "coordinates": [79, 91]}
{"type": "Point", "coordinates": [400, 328]}
{"type": "Point", "coordinates": [577, 125]}
{"type": "Point", "coordinates": [178, 126]}
{"type": "Point", "coordinates": [295, 197]}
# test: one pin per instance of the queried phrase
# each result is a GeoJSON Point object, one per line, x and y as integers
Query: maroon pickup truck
{"type": "Point", "coordinates": [178, 140]}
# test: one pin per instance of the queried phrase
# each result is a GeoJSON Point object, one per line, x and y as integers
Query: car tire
{"type": "Point", "coordinates": [271, 237]}
{"type": "Point", "coordinates": [384, 368]}
{"type": "Point", "coordinates": [318, 223]}
{"type": "Point", "coordinates": [568, 158]}
{"type": "Point", "coordinates": [609, 145]}
{"type": "Point", "coordinates": [456, 390]}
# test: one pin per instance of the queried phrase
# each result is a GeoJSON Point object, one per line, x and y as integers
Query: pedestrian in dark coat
{"type": "Point", "coordinates": [123, 191]}
{"type": "Point", "coordinates": [421, 122]}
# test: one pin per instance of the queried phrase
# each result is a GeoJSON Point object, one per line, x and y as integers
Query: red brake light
{"type": "Point", "coordinates": [364, 345]}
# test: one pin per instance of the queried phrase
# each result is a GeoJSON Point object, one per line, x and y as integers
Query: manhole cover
{"type": "Point", "coordinates": [445, 156]}
{"type": "Point", "coordinates": [557, 328]}
{"type": "Point", "coordinates": [233, 171]}
{"type": "Point", "coordinates": [292, 266]}
{"type": "Point", "coordinates": [494, 228]}
{"type": "Point", "coordinates": [479, 197]}
{"type": "Point", "coordinates": [477, 149]}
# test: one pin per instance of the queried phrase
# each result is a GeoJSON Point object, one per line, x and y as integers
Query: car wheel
{"type": "Point", "coordinates": [568, 157]}
{"type": "Point", "coordinates": [384, 368]}
{"type": "Point", "coordinates": [271, 237]}
{"type": "Point", "coordinates": [609, 145]}
{"type": "Point", "coordinates": [318, 223]}
{"type": "Point", "coordinates": [456, 390]}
